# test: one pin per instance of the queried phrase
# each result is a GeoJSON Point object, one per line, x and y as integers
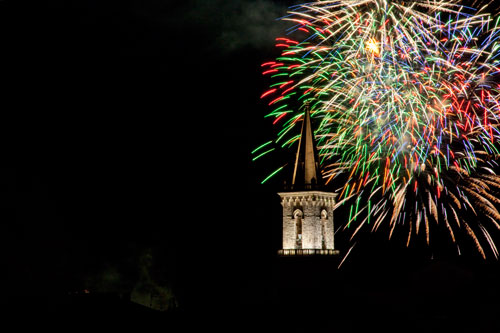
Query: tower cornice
{"type": "Point", "coordinates": [308, 193]}
{"type": "Point", "coordinates": [307, 197]}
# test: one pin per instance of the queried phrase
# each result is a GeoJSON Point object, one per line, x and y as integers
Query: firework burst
{"type": "Point", "coordinates": [405, 100]}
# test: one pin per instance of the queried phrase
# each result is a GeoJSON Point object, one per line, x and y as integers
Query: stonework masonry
{"type": "Point", "coordinates": [308, 221]}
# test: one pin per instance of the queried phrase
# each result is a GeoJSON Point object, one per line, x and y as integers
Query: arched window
{"type": "Point", "coordinates": [324, 221]}
{"type": "Point", "coordinates": [297, 216]}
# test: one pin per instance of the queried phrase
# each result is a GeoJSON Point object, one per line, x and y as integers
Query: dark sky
{"type": "Point", "coordinates": [128, 128]}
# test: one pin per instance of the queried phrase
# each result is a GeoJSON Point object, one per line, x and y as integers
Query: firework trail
{"type": "Point", "coordinates": [405, 100]}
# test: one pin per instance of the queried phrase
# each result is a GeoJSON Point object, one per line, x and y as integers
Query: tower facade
{"type": "Point", "coordinates": [308, 227]}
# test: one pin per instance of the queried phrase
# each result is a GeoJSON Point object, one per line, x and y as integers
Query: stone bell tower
{"type": "Point", "coordinates": [307, 210]}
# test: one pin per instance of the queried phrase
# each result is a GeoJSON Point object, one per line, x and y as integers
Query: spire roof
{"type": "Point", "coordinates": [306, 174]}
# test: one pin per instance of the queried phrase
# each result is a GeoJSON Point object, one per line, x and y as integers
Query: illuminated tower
{"type": "Point", "coordinates": [307, 210]}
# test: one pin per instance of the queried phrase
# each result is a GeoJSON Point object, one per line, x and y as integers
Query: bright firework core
{"type": "Point", "coordinates": [372, 46]}
{"type": "Point", "coordinates": [405, 103]}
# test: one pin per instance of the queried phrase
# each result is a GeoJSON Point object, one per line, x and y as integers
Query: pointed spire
{"type": "Point", "coordinates": [306, 173]}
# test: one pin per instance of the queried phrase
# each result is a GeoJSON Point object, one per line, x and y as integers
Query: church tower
{"type": "Point", "coordinates": [307, 210]}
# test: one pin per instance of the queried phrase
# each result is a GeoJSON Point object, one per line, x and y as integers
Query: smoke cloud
{"type": "Point", "coordinates": [236, 24]}
{"type": "Point", "coordinates": [252, 23]}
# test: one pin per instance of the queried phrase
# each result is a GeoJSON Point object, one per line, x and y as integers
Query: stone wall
{"type": "Point", "coordinates": [315, 227]}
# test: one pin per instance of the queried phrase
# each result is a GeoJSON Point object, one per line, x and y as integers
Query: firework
{"type": "Point", "coordinates": [405, 101]}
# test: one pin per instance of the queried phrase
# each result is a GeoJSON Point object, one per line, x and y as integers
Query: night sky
{"type": "Point", "coordinates": [126, 133]}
